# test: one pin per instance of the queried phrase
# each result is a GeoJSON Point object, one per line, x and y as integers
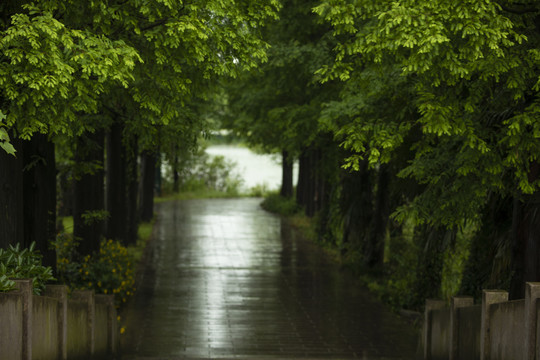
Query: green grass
{"type": "Point", "coordinates": [67, 223]}
{"type": "Point", "coordinates": [144, 234]}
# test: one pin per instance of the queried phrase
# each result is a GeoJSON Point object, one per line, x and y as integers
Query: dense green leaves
{"type": "Point", "coordinates": [466, 72]}
{"type": "Point", "coordinates": [22, 263]}
{"type": "Point", "coordinates": [5, 143]}
{"type": "Point", "coordinates": [49, 72]}
{"type": "Point", "coordinates": [277, 106]}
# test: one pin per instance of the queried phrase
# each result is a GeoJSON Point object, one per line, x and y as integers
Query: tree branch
{"type": "Point", "coordinates": [156, 24]}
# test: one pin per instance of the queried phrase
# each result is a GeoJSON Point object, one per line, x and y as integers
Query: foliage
{"type": "Point", "coordinates": [278, 204]}
{"type": "Point", "coordinates": [200, 172]}
{"type": "Point", "coordinates": [90, 217]}
{"type": "Point", "coordinates": [466, 72]}
{"type": "Point", "coordinates": [259, 190]}
{"type": "Point", "coordinates": [276, 106]}
{"type": "Point", "coordinates": [109, 271]}
{"type": "Point", "coordinates": [445, 94]}
{"type": "Point", "coordinates": [19, 263]}
{"type": "Point", "coordinates": [50, 72]}
{"type": "Point", "coordinates": [5, 143]}
{"type": "Point", "coordinates": [6, 284]}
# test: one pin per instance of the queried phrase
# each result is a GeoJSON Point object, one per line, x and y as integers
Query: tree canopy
{"type": "Point", "coordinates": [467, 69]}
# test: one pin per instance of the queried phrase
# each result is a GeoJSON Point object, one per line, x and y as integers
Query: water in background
{"type": "Point", "coordinates": [254, 169]}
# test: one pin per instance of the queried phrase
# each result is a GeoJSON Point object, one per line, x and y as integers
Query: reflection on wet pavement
{"type": "Point", "coordinates": [226, 279]}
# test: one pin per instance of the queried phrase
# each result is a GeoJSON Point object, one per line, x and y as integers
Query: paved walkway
{"type": "Point", "coordinates": [227, 280]}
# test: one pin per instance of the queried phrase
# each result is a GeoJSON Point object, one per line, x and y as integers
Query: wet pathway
{"type": "Point", "coordinates": [227, 280]}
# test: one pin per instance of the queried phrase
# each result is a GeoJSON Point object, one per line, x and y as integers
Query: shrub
{"type": "Point", "coordinates": [109, 271]}
{"type": "Point", "coordinates": [16, 262]}
{"type": "Point", "coordinates": [278, 204]}
{"type": "Point", "coordinates": [200, 171]}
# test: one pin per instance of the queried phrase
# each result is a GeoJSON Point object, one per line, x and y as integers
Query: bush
{"type": "Point", "coordinates": [278, 204]}
{"type": "Point", "coordinates": [259, 190]}
{"type": "Point", "coordinates": [16, 262]}
{"type": "Point", "coordinates": [109, 271]}
{"type": "Point", "coordinates": [200, 172]}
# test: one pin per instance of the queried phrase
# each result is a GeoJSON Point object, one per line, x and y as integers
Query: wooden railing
{"type": "Point", "coordinates": [54, 327]}
{"type": "Point", "coordinates": [495, 329]}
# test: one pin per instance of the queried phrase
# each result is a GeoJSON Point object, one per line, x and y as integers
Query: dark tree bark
{"type": "Point", "coordinates": [176, 177]}
{"type": "Point", "coordinates": [11, 196]}
{"type": "Point", "coordinates": [89, 192]}
{"type": "Point", "coordinates": [286, 175]}
{"type": "Point", "coordinates": [484, 269]}
{"type": "Point", "coordinates": [146, 196]}
{"type": "Point", "coordinates": [157, 185]}
{"type": "Point", "coordinates": [116, 179]}
{"type": "Point", "coordinates": [525, 239]}
{"type": "Point", "coordinates": [526, 249]}
{"type": "Point", "coordinates": [430, 263]}
{"type": "Point", "coordinates": [132, 191]}
{"type": "Point", "coordinates": [374, 246]}
{"type": "Point", "coordinates": [303, 177]}
{"type": "Point", "coordinates": [309, 182]}
{"type": "Point", "coordinates": [39, 196]}
{"type": "Point", "coordinates": [356, 203]}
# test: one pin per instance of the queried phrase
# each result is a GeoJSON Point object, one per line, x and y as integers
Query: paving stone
{"type": "Point", "coordinates": [227, 280]}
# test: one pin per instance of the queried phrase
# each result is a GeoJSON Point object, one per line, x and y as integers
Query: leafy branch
{"type": "Point", "coordinates": [4, 137]}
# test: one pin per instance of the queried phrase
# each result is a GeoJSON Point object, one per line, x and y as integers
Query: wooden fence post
{"type": "Point", "coordinates": [88, 297]}
{"type": "Point", "coordinates": [26, 290]}
{"type": "Point", "coordinates": [532, 293]}
{"type": "Point", "coordinates": [59, 292]}
{"type": "Point", "coordinates": [112, 322]}
{"type": "Point", "coordinates": [456, 303]}
{"type": "Point", "coordinates": [488, 297]}
{"type": "Point", "coordinates": [431, 305]}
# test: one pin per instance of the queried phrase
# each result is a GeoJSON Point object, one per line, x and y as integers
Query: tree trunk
{"type": "Point", "coordinates": [132, 191]}
{"type": "Point", "coordinates": [356, 204]}
{"type": "Point", "coordinates": [308, 181]}
{"type": "Point", "coordinates": [374, 250]}
{"type": "Point", "coordinates": [430, 263]}
{"type": "Point", "coordinates": [286, 175]}
{"type": "Point", "coordinates": [302, 186]}
{"type": "Point", "coordinates": [176, 177]}
{"type": "Point", "coordinates": [487, 266]}
{"type": "Point", "coordinates": [89, 193]}
{"type": "Point", "coordinates": [39, 196]}
{"type": "Point", "coordinates": [526, 249]}
{"type": "Point", "coordinates": [116, 179]}
{"type": "Point", "coordinates": [526, 238]}
{"type": "Point", "coordinates": [158, 181]}
{"type": "Point", "coordinates": [11, 196]}
{"type": "Point", "coordinates": [146, 195]}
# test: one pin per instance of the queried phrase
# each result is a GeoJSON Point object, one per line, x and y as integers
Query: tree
{"type": "Point", "coordinates": [474, 88]}
{"type": "Point", "coordinates": [277, 107]}
{"type": "Point", "coordinates": [49, 73]}
{"type": "Point", "coordinates": [61, 60]}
